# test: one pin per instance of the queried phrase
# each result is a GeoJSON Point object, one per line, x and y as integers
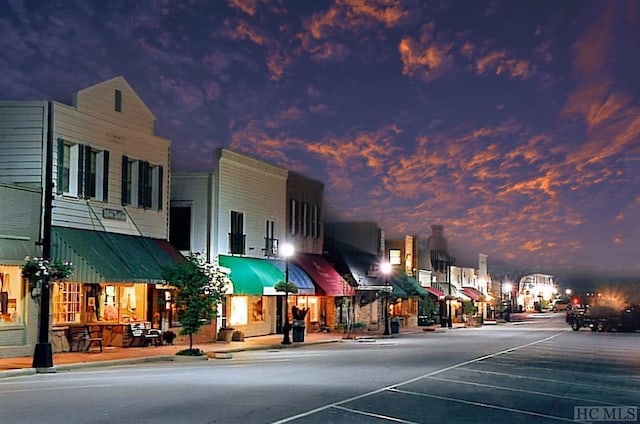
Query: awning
{"type": "Point", "coordinates": [474, 294]}
{"type": "Point", "coordinates": [327, 279]}
{"type": "Point", "coordinates": [455, 293]}
{"type": "Point", "coordinates": [297, 276]}
{"type": "Point", "coordinates": [365, 270]}
{"type": "Point", "coordinates": [13, 250]}
{"type": "Point", "coordinates": [437, 293]}
{"type": "Point", "coordinates": [252, 276]}
{"type": "Point", "coordinates": [410, 286]}
{"type": "Point", "coordinates": [100, 256]}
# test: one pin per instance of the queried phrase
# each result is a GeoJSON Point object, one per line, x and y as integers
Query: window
{"type": "Point", "coordinates": [180, 227]}
{"type": "Point", "coordinates": [315, 222]}
{"type": "Point", "coordinates": [395, 257]}
{"type": "Point", "coordinates": [271, 242]}
{"type": "Point", "coordinates": [11, 295]}
{"type": "Point", "coordinates": [142, 184]}
{"type": "Point", "coordinates": [82, 171]}
{"type": "Point", "coordinates": [118, 101]}
{"type": "Point", "coordinates": [293, 217]}
{"type": "Point", "coordinates": [66, 302]}
{"type": "Point", "coordinates": [306, 220]}
{"type": "Point", "coordinates": [236, 235]}
{"type": "Point", "coordinates": [239, 310]}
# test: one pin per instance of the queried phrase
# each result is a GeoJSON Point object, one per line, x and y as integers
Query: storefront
{"type": "Point", "coordinates": [117, 280]}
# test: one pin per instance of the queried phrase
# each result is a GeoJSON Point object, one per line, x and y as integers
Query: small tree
{"type": "Point", "coordinates": [200, 286]}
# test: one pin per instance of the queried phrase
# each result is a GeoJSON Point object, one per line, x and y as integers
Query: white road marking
{"type": "Point", "coordinates": [412, 380]}
{"type": "Point", "coordinates": [93, 386]}
{"type": "Point", "coordinates": [484, 405]}
{"type": "Point", "coordinates": [379, 416]}
{"type": "Point", "coordinates": [511, 389]}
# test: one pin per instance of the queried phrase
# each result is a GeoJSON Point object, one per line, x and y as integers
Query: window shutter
{"type": "Point", "coordinates": [60, 166]}
{"type": "Point", "coordinates": [160, 186]}
{"type": "Point", "coordinates": [124, 195]}
{"type": "Point", "coordinates": [80, 171]}
{"type": "Point", "coordinates": [105, 176]}
{"type": "Point", "coordinates": [141, 184]}
{"type": "Point", "coordinates": [87, 171]}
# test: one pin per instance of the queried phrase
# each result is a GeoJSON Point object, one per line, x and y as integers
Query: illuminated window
{"type": "Point", "coordinates": [257, 310]}
{"type": "Point", "coordinates": [66, 302]}
{"type": "Point", "coordinates": [11, 296]}
{"type": "Point", "coordinates": [395, 257]}
{"type": "Point", "coordinates": [239, 309]}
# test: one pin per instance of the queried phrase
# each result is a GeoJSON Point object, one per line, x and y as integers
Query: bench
{"type": "Point", "coordinates": [82, 338]}
{"type": "Point", "coordinates": [141, 336]}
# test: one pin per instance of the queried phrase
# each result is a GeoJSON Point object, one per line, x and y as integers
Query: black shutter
{"type": "Point", "coordinates": [87, 173]}
{"type": "Point", "coordinates": [125, 195]}
{"type": "Point", "coordinates": [160, 184]}
{"type": "Point", "coordinates": [80, 171]}
{"type": "Point", "coordinates": [105, 176]}
{"type": "Point", "coordinates": [60, 173]}
{"type": "Point", "coordinates": [141, 185]}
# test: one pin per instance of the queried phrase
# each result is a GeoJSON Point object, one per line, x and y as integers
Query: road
{"type": "Point", "coordinates": [531, 372]}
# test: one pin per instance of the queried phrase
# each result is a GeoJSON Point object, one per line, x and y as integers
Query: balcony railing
{"type": "Point", "coordinates": [237, 243]}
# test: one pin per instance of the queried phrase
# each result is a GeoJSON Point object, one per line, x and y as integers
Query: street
{"type": "Point", "coordinates": [531, 372]}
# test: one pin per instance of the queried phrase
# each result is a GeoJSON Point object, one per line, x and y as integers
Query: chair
{"type": "Point", "coordinates": [84, 337]}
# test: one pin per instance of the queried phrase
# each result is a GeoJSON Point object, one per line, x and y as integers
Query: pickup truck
{"type": "Point", "coordinates": [602, 318]}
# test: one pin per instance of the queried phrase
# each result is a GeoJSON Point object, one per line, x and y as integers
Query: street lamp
{"type": "Point", "coordinates": [385, 268]}
{"type": "Point", "coordinates": [286, 250]}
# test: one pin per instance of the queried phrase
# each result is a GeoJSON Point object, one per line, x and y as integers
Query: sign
{"type": "Point", "coordinates": [116, 214]}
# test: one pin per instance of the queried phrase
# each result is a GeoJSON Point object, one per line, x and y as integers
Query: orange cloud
{"type": "Point", "coordinates": [499, 62]}
{"type": "Point", "coordinates": [424, 58]}
{"type": "Point", "coordinates": [247, 6]}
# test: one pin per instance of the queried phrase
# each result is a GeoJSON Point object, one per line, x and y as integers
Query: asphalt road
{"type": "Point", "coordinates": [533, 372]}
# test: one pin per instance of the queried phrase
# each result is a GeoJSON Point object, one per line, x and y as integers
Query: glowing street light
{"type": "Point", "coordinates": [385, 268]}
{"type": "Point", "coordinates": [286, 251]}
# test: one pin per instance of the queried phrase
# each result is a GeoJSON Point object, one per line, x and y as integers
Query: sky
{"type": "Point", "coordinates": [514, 124]}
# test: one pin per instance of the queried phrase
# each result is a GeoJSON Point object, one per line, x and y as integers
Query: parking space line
{"type": "Point", "coordinates": [379, 416]}
{"type": "Point", "coordinates": [520, 376]}
{"type": "Point", "coordinates": [484, 405]}
{"type": "Point", "coordinates": [411, 380]}
{"type": "Point", "coordinates": [512, 389]}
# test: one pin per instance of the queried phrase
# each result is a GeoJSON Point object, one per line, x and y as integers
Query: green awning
{"type": "Point", "coordinates": [252, 276]}
{"type": "Point", "coordinates": [410, 286]}
{"type": "Point", "coordinates": [100, 256]}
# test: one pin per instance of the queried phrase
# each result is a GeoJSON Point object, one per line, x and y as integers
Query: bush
{"type": "Point", "coordinates": [191, 352]}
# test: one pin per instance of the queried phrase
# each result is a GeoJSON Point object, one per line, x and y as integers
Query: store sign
{"type": "Point", "coordinates": [116, 214]}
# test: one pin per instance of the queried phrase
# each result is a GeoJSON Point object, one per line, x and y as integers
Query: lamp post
{"type": "Point", "coordinates": [385, 267]}
{"type": "Point", "coordinates": [43, 353]}
{"type": "Point", "coordinates": [286, 250]}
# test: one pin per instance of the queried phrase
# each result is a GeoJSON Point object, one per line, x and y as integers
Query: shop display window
{"type": "Point", "coordinates": [257, 310]}
{"type": "Point", "coordinates": [66, 302]}
{"type": "Point", "coordinates": [11, 296]}
{"type": "Point", "coordinates": [239, 310]}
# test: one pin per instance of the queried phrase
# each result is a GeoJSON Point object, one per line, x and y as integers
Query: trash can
{"type": "Point", "coordinates": [395, 327]}
{"type": "Point", "coordinates": [298, 331]}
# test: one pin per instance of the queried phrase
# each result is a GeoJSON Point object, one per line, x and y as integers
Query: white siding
{"type": "Point", "coordinates": [95, 123]}
{"type": "Point", "coordinates": [255, 188]}
{"type": "Point", "coordinates": [194, 189]}
{"type": "Point", "coordinates": [23, 132]}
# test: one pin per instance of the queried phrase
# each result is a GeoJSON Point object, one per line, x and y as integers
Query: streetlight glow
{"type": "Point", "coordinates": [385, 268]}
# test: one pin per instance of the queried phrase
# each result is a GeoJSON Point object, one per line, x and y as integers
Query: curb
{"type": "Point", "coordinates": [271, 347]}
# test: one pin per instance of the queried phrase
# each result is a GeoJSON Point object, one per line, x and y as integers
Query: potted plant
{"type": "Point", "coordinates": [168, 337]}
{"type": "Point", "coordinates": [225, 334]}
{"type": "Point", "coordinates": [299, 315]}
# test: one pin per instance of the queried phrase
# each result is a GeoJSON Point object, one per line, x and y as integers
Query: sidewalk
{"type": "Point", "coordinates": [120, 356]}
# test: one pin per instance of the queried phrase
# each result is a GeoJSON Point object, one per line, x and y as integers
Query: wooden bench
{"type": "Point", "coordinates": [83, 337]}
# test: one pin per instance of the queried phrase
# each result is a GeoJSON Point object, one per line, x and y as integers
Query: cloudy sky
{"type": "Point", "coordinates": [514, 124]}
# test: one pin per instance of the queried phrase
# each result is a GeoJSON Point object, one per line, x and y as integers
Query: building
{"type": "Point", "coordinates": [110, 191]}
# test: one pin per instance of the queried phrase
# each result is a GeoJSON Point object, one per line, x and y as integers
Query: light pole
{"type": "Point", "coordinates": [286, 250]}
{"type": "Point", "coordinates": [385, 267]}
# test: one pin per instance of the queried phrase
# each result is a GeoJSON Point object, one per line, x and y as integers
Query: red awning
{"type": "Point", "coordinates": [327, 280]}
{"type": "Point", "coordinates": [474, 294]}
{"type": "Point", "coordinates": [437, 293]}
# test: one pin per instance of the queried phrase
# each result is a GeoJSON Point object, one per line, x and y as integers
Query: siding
{"type": "Point", "coordinates": [255, 188]}
{"type": "Point", "coordinates": [193, 189]}
{"type": "Point", "coordinates": [23, 130]}
{"type": "Point", "coordinates": [94, 122]}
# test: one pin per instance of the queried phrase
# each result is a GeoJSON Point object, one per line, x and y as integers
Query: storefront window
{"type": "Point", "coordinates": [239, 309]}
{"type": "Point", "coordinates": [11, 295]}
{"type": "Point", "coordinates": [66, 302]}
{"type": "Point", "coordinates": [311, 303]}
{"type": "Point", "coordinates": [257, 311]}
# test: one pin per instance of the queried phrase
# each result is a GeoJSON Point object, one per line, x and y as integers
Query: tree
{"type": "Point", "coordinates": [200, 286]}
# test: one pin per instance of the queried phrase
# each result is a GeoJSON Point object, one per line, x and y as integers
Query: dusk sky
{"type": "Point", "coordinates": [514, 124]}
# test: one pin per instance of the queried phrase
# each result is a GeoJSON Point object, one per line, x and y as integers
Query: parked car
{"type": "Point", "coordinates": [560, 305]}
